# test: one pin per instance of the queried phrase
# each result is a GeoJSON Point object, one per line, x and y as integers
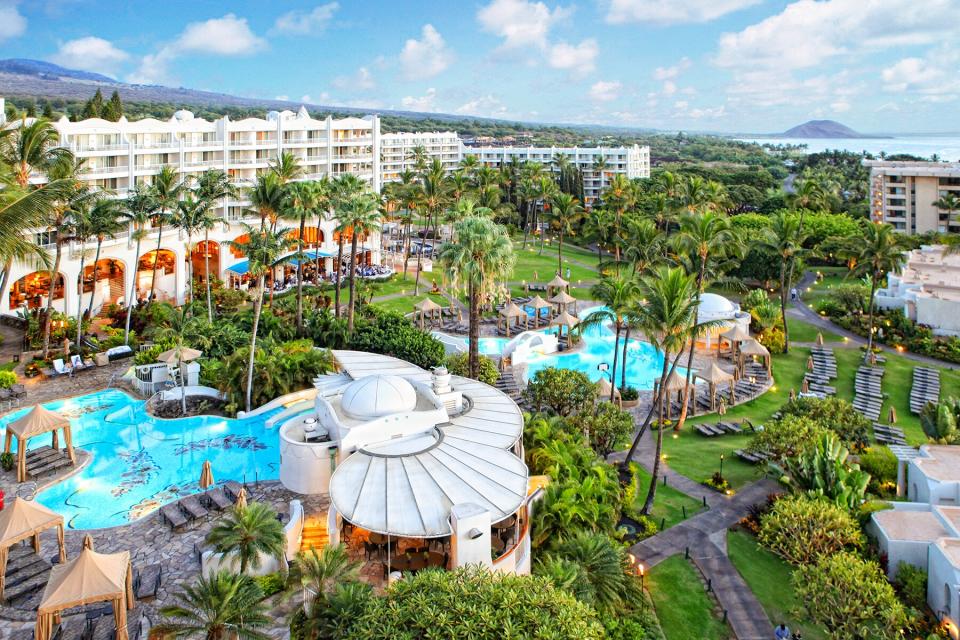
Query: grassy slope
{"type": "Point", "coordinates": [769, 578]}
{"type": "Point", "coordinates": [669, 504]}
{"type": "Point", "coordinates": [683, 606]}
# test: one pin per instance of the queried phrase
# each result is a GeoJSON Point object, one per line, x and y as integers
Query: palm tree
{"type": "Point", "coordinates": [604, 577]}
{"type": "Point", "coordinates": [565, 213]}
{"type": "Point", "coordinates": [646, 247]}
{"type": "Point", "coordinates": [175, 329]}
{"type": "Point", "coordinates": [80, 230]}
{"type": "Point", "coordinates": [212, 187]}
{"type": "Point", "coordinates": [248, 533]}
{"type": "Point", "coordinates": [190, 217]}
{"type": "Point", "coordinates": [617, 293]}
{"type": "Point", "coordinates": [167, 188]}
{"type": "Point", "coordinates": [305, 198]}
{"type": "Point", "coordinates": [600, 166]}
{"type": "Point", "coordinates": [785, 238]}
{"type": "Point", "coordinates": [31, 148]}
{"type": "Point", "coordinates": [668, 320]}
{"type": "Point", "coordinates": [704, 237]}
{"type": "Point", "coordinates": [877, 253]}
{"type": "Point", "coordinates": [140, 207]}
{"type": "Point", "coordinates": [948, 202]}
{"type": "Point", "coordinates": [105, 222]}
{"type": "Point", "coordinates": [481, 254]}
{"type": "Point", "coordinates": [220, 606]}
{"type": "Point", "coordinates": [433, 198]}
{"type": "Point", "coordinates": [286, 167]}
{"type": "Point", "coordinates": [360, 215]}
{"type": "Point", "coordinates": [343, 188]}
{"type": "Point", "coordinates": [263, 249]}
{"type": "Point", "coordinates": [597, 228]}
{"type": "Point", "coordinates": [268, 198]}
{"type": "Point", "coordinates": [319, 572]}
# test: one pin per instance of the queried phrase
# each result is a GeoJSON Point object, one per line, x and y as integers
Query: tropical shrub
{"type": "Point", "coordinates": [270, 584]}
{"type": "Point", "coordinates": [850, 597]}
{"type": "Point", "coordinates": [391, 334]}
{"type": "Point", "coordinates": [7, 379]}
{"type": "Point", "coordinates": [629, 394]}
{"type": "Point", "coordinates": [834, 414]}
{"type": "Point", "coordinates": [822, 470]}
{"type": "Point", "coordinates": [803, 529]}
{"type": "Point", "coordinates": [939, 421]}
{"type": "Point", "coordinates": [786, 437]}
{"type": "Point", "coordinates": [607, 427]}
{"type": "Point", "coordinates": [589, 505]}
{"type": "Point", "coordinates": [561, 391]}
{"type": "Point", "coordinates": [594, 569]}
{"type": "Point", "coordinates": [477, 604]}
{"type": "Point", "coordinates": [881, 464]}
{"type": "Point", "coordinates": [911, 583]}
{"type": "Point", "coordinates": [248, 533]}
{"type": "Point", "coordinates": [332, 614]}
{"type": "Point", "coordinates": [6, 461]}
{"type": "Point", "coordinates": [486, 369]}
{"type": "Point", "coordinates": [218, 605]}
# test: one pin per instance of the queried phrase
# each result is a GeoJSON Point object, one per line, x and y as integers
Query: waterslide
{"type": "Point", "coordinates": [526, 343]}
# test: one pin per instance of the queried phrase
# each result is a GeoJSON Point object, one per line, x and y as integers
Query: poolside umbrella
{"type": "Point", "coordinates": [242, 498]}
{"type": "Point", "coordinates": [819, 339]}
{"type": "Point", "coordinates": [714, 376]}
{"type": "Point", "coordinates": [510, 312]}
{"type": "Point", "coordinates": [565, 320]}
{"type": "Point", "coordinates": [892, 416]}
{"type": "Point", "coordinates": [604, 389]}
{"type": "Point", "coordinates": [723, 407]}
{"type": "Point", "coordinates": [537, 303]}
{"type": "Point", "coordinates": [562, 299]}
{"type": "Point", "coordinates": [805, 386]}
{"type": "Point", "coordinates": [426, 306]}
{"type": "Point", "coordinates": [206, 476]}
{"type": "Point", "coordinates": [88, 542]}
{"type": "Point", "coordinates": [793, 394]}
{"type": "Point", "coordinates": [810, 363]}
{"type": "Point", "coordinates": [179, 354]}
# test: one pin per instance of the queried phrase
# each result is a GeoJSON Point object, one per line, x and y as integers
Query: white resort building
{"type": "Point", "coordinates": [903, 194]}
{"type": "Point", "coordinates": [927, 289]}
{"type": "Point", "coordinates": [120, 155]}
{"type": "Point", "coordinates": [407, 455]}
{"type": "Point", "coordinates": [925, 531]}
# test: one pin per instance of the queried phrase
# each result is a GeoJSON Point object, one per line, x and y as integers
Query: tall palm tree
{"type": "Point", "coordinates": [212, 187]}
{"type": "Point", "coordinates": [247, 533]}
{"type": "Point", "coordinates": [268, 198]}
{"type": "Point", "coordinates": [481, 255]}
{"type": "Point", "coordinates": [617, 294]}
{"type": "Point", "coordinates": [600, 166]}
{"type": "Point", "coordinates": [705, 237]}
{"type": "Point", "coordinates": [344, 188]}
{"type": "Point", "coordinates": [191, 216]}
{"type": "Point", "coordinates": [286, 167]}
{"type": "Point", "coordinates": [30, 148]}
{"type": "Point", "coordinates": [360, 215]}
{"type": "Point", "coordinates": [105, 222]}
{"type": "Point", "coordinates": [175, 328]}
{"type": "Point", "coordinates": [81, 223]}
{"type": "Point", "coordinates": [948, 202]}
{"type": "Point", "coordinates": [646, 247]}
{"type": "Point", "coordinates": [785, 238]}
{"type": "Point", "coordinates": [305, 198]}
{"type": "Point", "coordinates": [434, 197]}
{"type": "Point", "coordinates": [546, 188]}
{"type": "Point", "coordinates": [141, 206]}
{"type": "Point", "coordinates": [565, 213]}
{"type": "Point", "coordinates": [220, 606]}
{"type": "Point", "coordinates": [668, 320]}
{"type": "Point", "coordinates": [167, 188]}
{"type": "Point", "coordinates": [877, 253]}
{"type": "Point", "coordinates": [263, 249]}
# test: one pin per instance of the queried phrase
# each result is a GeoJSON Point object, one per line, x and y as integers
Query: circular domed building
{"type": "Point", "coordinates": [714, 307]}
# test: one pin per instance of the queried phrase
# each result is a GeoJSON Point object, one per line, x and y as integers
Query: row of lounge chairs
{"type": "Point", "coordinates": [46, 459]}
{"type": "Point", "coordinates": [926, 388]}
{"type": "Point", "coordinates": [195, 507]}
{"type": "Point", "coordinates": [76, 364]}
{"type": "Point", "coordinates": [868, 396]}
{"type": "Point", "coordinates": [752, 457]}
{"type": "Point", "coordinates": [719, 428]}
{"type": "Point", "coordinates": [888, 434]}
{"type": "Point", "coordinates": [824, 370]}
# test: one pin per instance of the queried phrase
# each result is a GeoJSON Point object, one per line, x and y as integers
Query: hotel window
{"type": "Point", "coordinates": [46, 238]}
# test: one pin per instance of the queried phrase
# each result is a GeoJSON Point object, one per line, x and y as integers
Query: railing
{"type": "Point", "coordinates": [80, 148]}
{"type": "Point", "coordinates": [202, 143]}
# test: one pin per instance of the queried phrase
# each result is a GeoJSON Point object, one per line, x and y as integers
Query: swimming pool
{"type": "Point", "coordinates": [141, 462]}
{"type": "Point", "coordinates": [644, 362]}
{"type": "Point", "coordinates": [491, 346]}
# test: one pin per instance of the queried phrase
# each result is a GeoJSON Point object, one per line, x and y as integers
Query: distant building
{"type": "Point", "coordinates": [927, 290]}
{"type": "Point", "coordinates": [902, 194]}
{"type": "Point", "coordinates": [397, 151]}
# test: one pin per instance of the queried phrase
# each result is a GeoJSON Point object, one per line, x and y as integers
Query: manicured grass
{"type": "Point", "coordinates": [533, 267]}
{"type": "Point", "coordinates": [832, 278]}
{"type": "Point", "coordinates": [768, 577]}
{"type": "Point", "coordinates": [682, 604]}
{"type": "Point", "coordinates": [669, 505]}
{"type": "Point", "coordinates": [580, 293]}
{"type": "Point", "coordinates": [404, 304]}
{"type": "Point", "coordinates": [801, 331]}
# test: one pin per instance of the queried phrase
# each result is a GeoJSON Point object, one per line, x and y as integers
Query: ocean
{"type": "Point", "coordinates": [945, 146]}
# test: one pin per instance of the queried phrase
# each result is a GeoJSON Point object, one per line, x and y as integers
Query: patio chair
{"type": "Point", "coordinates": [62, 369]}
{"type": "Point", "coordinates": [172, 514]}
{"type": "Point", "coordinates": [192, 508]}
{"type": "Point", "coordinates": [146, 581]}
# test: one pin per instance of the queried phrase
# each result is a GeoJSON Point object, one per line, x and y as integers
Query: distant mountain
{"type": "Point", "coordinates": [48, 70]}
{"type": "Point", "coordinates": [823, 129]}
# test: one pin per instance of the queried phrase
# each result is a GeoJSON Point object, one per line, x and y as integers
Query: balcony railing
{"type": "Point", "coordinates": [81, 148]}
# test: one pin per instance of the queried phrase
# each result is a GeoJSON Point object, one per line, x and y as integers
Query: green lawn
{"type": "Point", "coordinates": [683, 606]}
{"type": "Point", "coordinates": [404, 304]}
{"type": "Point", "coordinates": [769, 578]}
{"type": "Point", "coordinates": [533, 267]}
{"type": "Point", "coordinates": [669, 505]}
{"type": "Point", "coordinates": [801, 331]}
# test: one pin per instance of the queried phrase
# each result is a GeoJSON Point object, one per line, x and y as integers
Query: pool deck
{"type": "Point", "coordinates": [41, 390]}
{"type": "Point", "coordinates": [149, 541]}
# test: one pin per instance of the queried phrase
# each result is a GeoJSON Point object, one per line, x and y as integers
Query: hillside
{"type": "Point", "coordinates": [822, 129]}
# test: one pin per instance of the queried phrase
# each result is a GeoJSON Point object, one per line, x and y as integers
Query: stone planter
{"type": "Point", "coordinates": [102, 359]}
{"type": "Point", "coordinates": [630, 404]}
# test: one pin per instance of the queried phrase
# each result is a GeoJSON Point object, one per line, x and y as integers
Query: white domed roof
{"type": "Point", "coordinates": [379, 395]}
{"type": "Point", "coordinates": [713, 306]}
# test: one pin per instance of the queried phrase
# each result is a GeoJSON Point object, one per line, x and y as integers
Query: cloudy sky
{"type": "Point", "coordinates": [719, 65]}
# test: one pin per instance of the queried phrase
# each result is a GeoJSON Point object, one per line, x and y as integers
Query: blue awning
{"type": "Point", "coordinates": [240, 268]}
{"type": "Point", "coordinates": [310, 256]}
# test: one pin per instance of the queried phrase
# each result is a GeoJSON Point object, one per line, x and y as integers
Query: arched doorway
{"type": "Point", "coordinates": [312, 236]}
{"type": "Point", "coordinates": [31, 291]}
{"type": "Point", "coordinates": [166, 270]}
{"type": "Point", "coordinates": [105, 280]}
{"type": "Point", "coordinates": [236, 250]}
{"type": "Point", "coordinates": [205, 253]}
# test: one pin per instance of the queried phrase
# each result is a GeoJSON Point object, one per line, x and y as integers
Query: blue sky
{"type": "Point", "coordinates": [716, 65]}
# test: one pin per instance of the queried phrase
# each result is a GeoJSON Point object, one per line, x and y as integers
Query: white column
{"type": "Point", "coordinates": [470, 540]}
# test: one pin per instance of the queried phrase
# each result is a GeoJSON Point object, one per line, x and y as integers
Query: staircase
{"type": "Point", "coordinates": [508, 385]}
{"type": "Point", "coordinates": [314, 534]}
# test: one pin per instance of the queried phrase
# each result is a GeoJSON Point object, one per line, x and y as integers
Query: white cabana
{"type": "Point", "coordinates": [511, 312]}
{"type": "Point", "coordinates": [428, 307]}
{"type": "Point", "coordinates": [537, 303]}
{"type": "Point", "coordinates": [563, 300]}
{"type": "Point", "coordinates": [36, 423]}
{"type": "Point", "coordinates": [715, 376]}
{"type": "Point", "coordinates": [23, 519]}
{"type": "Point", "coordinates": [754, 349]}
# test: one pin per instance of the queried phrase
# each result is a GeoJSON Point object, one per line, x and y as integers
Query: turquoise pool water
{"type": "Point", "coordinates": [491, 346]}
{"type": "Point", "coordinates": [644, 362]}
{"type": "Point", "coordinates": [141, 462]}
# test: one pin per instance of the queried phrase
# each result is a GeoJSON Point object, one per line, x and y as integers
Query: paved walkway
{"type": "Point", "coordinates": [703, 539]}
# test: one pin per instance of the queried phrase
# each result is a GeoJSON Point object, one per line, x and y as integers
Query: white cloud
{"type": "Point", "coordinates": [426, 57]}
{"type": "Point", "coordinates": [669, 73]}
{"type": "Point", "coordinates": [840, 106]}
{"type": "Point", "coordinates": [90, 54]}
{"type": "Point", "coordinates": [362, 80]}
{"type": "Point", "coordinates": [226, 36]}
{"type": "Point", "coordinates": [306, 98]}
{"type": "Point", "coordinates": [932, 78]}
{"type": "Point", "coordinates": [605, 91]}
{"type": "Point", "coordinates": [487, 106]}
{"type": "Point", "coordinates": [809, 32]}
{"type": "Point", "coordinates": [675, 12]}
{"type": "Point", "coordinates": [285, 98]}
{"type": "Point", "coordinates": [578, 59]}
{"type": "Point", "coordinates": [520, 23]}
{"type": "Point", "coordinates": [426, 102]}
{"type": "Point", "coordinates": [12, 22]}
{"type": "Point", "coordinates": [669, 88]}
{"type": "Point", "coordinates": [304, 23]}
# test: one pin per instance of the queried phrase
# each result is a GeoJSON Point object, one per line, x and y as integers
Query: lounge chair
{"type": "Point", "coordinates": [217, 498]}
{"type": "Point", "coordinates": [192, 507]}
{"type": "Point", "coordinates": [61, 368]}
{"type": "Point", "coordinates": [146, 581]}
{"type": "Point", "coordinates": [78, 363]}
{"type": "Point", "coordinates": [173, 515]}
